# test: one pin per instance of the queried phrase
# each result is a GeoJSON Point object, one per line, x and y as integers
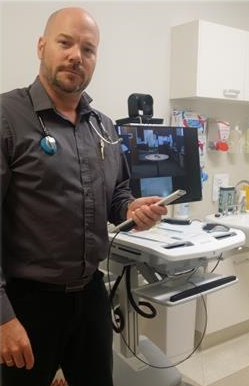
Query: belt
{"type": "Point", "coordinates": [73, 286]}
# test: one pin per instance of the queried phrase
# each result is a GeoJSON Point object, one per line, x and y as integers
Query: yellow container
{"type": "Point", "coordinates": [246, 188]}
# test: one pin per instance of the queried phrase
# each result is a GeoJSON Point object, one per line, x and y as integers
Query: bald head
{"type": "Point", "coordinates": [74, 13]}
{"type": "Point", "coordinates": [68, 51]}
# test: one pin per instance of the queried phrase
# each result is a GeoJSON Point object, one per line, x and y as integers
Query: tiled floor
{"type": "Point", "coordinates": [226, 364]}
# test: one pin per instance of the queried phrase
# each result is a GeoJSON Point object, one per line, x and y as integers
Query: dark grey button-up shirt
{"type": "Point", "coordinates": [55, 208]}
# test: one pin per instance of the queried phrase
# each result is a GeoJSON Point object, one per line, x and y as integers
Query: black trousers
{"type": "Point", "coordinates": [68, 330]}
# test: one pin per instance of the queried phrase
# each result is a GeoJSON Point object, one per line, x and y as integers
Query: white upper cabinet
{"type": "Point", "coordinates": [209, 60]}
{"type": "Point", "coordinates": [246, 90]}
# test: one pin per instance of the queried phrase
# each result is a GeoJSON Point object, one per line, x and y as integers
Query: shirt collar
{"type": "Point", "coordinates": [41, 100]}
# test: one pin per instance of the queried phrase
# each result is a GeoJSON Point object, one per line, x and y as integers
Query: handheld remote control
{"type": "Point", "coordinates": [129, 224]}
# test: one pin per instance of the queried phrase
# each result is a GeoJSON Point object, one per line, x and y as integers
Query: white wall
{"type": "Point", "coordinates": [133, 57]}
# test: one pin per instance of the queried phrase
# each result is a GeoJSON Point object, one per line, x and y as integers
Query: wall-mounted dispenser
{"type": "Point", "coordinates": [218, 135]}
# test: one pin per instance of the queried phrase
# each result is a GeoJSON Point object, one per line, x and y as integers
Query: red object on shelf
{"type": "Point", "coordinates": [223, 146]}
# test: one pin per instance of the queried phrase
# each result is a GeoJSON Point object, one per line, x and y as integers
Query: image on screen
{"type": "Point", "coordinates": [162, 159]}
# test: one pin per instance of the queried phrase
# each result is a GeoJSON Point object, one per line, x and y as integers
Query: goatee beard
{"type": "Point", "coordinates": [68, 89]}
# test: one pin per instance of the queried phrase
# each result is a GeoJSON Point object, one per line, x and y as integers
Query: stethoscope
{"type": "Point", "coordinates": [48, 143]}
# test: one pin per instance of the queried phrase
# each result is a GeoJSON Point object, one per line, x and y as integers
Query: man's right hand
{"type": "Point", "coordinates": [15, 348]}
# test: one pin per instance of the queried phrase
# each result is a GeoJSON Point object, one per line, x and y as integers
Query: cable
{"type": "Point", "coordinates": [218, 262]}
{"type": "Point", "coordinates": [119, 324]}
{"type": "Point", "coordinates": [182, 360]}
{"type": "Point", "coordinates": [183, 273]}
{"type": "Point", "coordinates": [125, 342]}
{"type": "Point", "coordinates": [141, 303]}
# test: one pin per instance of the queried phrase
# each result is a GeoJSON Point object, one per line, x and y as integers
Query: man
{"type": "Point", "coordinates": [63, 177]}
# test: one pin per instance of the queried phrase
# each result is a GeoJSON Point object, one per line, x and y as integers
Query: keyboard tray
{"type": "Point", "coordinates": [171, 292]}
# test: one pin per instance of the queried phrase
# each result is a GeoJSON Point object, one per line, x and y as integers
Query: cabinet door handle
{"type": "Point", "coordinates": [231, 93]}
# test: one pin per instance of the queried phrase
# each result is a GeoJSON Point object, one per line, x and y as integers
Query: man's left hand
{"type": "Point", "coordinates": [145, 212]}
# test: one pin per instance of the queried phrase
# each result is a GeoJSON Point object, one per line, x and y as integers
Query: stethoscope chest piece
{"type": "Point", "coordinates": [48, 145]}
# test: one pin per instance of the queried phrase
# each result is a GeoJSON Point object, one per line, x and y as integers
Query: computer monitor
{"type": "Point", "coordinates": [162, 159]}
